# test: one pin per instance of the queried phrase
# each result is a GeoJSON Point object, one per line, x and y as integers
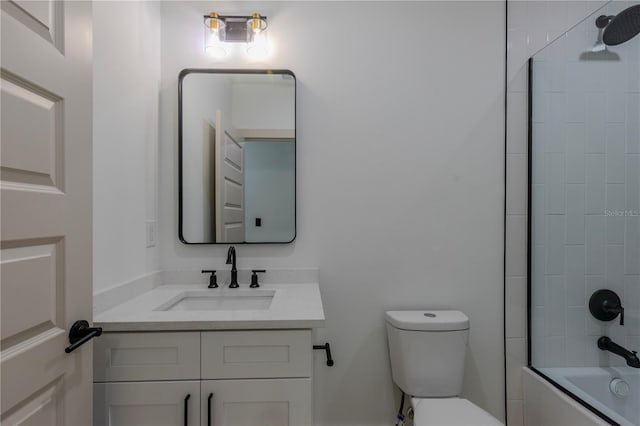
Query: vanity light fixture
{"type": "Point", "coordinates": [221, 30]}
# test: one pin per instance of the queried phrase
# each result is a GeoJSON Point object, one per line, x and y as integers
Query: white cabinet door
{"type": "Point", "coordinates": [272, 402]}
{"type": "Point", "coordinates": [147, 403]}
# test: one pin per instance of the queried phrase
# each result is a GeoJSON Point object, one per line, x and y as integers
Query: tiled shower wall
{"type": "Point", "coordinates": [586, 195]}
{"type": "Point", "coordinates": [531, 25]}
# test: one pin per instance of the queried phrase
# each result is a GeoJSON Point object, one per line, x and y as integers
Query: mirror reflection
{"type": "Point", "coordinates": [237, 156]}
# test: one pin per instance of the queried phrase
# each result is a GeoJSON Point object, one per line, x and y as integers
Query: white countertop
{"type": "Point", "coordinates": [293, 306]}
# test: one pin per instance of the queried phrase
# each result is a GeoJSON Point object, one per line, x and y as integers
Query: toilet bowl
{"type": "Point", "coordinates": [451, 411]}
{"type": "Point", "coordinates": [427, 351]}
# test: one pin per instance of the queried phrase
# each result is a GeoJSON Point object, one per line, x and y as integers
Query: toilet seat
{"type": "Point", "coordinates": [450, 412]}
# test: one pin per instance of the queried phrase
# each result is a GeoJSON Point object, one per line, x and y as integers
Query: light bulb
{"type": "Point", "coordinates": [257, 47]}
{"type": "Point", "coordinates": [213, 35]}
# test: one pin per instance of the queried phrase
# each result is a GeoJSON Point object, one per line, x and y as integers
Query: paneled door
{"type": "Point", "coordinates": [229, 182]}
{"type": "Point", "coordinates": [265, 402]}
{"type": "Point", "coordinates": [46, 226]}
{"type": "Point", "coordinates": [174, 403]}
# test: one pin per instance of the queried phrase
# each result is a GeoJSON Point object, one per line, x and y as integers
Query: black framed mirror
{"type": "Point", "coordinates": [236, 156]}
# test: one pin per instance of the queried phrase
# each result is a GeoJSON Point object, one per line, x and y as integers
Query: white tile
{"type": "Point", "coordinates": [595, 120]}
{"type": "Point", "coordinates": [575, 349]}
{"type": "Point", "coordinates": [614, 268]}
{"type": "Point", "coordinates": [633, 342]}
{"type": "Point", "coordinates": [576, 325]}
{"type": "Point", "coordinates": [633, 122]}
{"type": "Point", "coordinates": [614, 213]}
{"type": "Point", "coordinates": [516, 245]}
{"type": "Point", "coordinates": [615, 229]}
{"type": "Point", "coordinates": [576, 107]}
{"type": "Point", "coordinates": [554, 183]}
{"type": "Point", "coordinates": [632, 304]}
{"type": "Point", "coordinates": [632, 245]}
{"type": "Point", "coordinates": [516, 358]}
{"type": "Point", "coordinates": [538, 143]}
{"type": "Point", "coordinates": [516, 307]}
{"type": "Point", "coordinates": [633, 71]}
{"type": "Point", "coordinates": [555, 245]}
{"type": "Point", "coordinates": [555, 351]}
{"type": "Point", "coordinates": [538, 319]}
{"type": "Point", "coordinates": [517, 59]}
{"type": "Point", "coordinates": [632, 292]}
{"type": "Point", "coordinates": [541, 77]}
{"type": "Point", "coordinates": [555, 306]}
{"type": "Point", "coordinates": [575, 209]}
{"type": "Point", "coordinates": [517, 123]}
{"type": "Point", "coordinates": [519, 81]}
{"type": "Point", "coordinates": [540, 104]}
{"type": "Point", "coordinates": [576, 84]}
{"type": "Point", "coordinates": [632, 183]}
{"type": "Point", "coordinates": [595, 245]}
{"type": "Point", "coordinates": [517, 188]}
{"type": "Point", "coordinates": [595, 190]}
{"type": "Point", "coordinates": [515, 410]}
{"type": "Point", "coordinates": [538, 277]}
{"type": "Point", "coordinates": [517, 17]}
{"type": "Point", "coordinates": [615, 153]}
{"type": "Point", "coordinates": [616, 101]}
{"type": "Point", "coordinates": [616, 198]}
{"type": "Point", "coordinates": [557, 108]}
{"type": "Point", "coordinates": [538, 217]}
{"type": "Point", "coordinates": [574, 275]}
{"type": "Point", "coordinates": [556, 25]}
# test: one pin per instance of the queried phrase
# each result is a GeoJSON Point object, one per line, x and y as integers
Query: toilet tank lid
{"type": "Point", "coordinates": [428, 320]}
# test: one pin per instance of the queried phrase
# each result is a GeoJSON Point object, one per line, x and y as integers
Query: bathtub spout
{"type": "Point", "coordinates": [607, 344]}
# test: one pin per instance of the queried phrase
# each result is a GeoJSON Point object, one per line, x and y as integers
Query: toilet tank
{"type": "Point", "coordinates": [427, 351]}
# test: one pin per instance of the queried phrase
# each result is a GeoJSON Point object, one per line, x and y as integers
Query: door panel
{"type": "Point", "coordinates": [271, 402]}
{"type": "Point", "coordinates": [229, 182]}
{"type": "Point", "coordinates": [147, 403]}
{"type": "Point", "coordinates": [45, 185]}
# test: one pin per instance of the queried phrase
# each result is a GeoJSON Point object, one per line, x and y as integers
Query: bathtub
{"type": "Point", "coordinates": [591, 386]}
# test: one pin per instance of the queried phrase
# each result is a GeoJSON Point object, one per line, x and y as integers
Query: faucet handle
{"type": "Point", "coordinates": [213, 281]}
{"type": "Point", "coordinates": [254, 277]}
{"type": "Point", "coordinates": [606, 305]}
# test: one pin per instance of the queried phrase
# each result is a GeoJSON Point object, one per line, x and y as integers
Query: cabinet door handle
{"type": "Point", "coordinates": [186, 409]}
{"type": "Point", "coordinates": [209, 409]}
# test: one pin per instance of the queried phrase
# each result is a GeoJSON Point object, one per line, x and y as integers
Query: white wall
{"type": "Point", "coordinates": [264, 105]}
{"type": "Point", "coordinates": [125, 139]}
{"type": "Point", "coordinates": [400, 185]}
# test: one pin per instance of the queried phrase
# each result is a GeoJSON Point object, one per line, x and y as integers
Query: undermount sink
{"type": "Point", "coordinates": [229, 300]}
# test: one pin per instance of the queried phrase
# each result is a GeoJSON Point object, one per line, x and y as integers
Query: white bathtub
{"type": "Point", "coordinates": [591, 385]}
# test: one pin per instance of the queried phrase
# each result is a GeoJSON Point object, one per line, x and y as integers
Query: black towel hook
{"type": "Point", "coordinates": [327, 349]}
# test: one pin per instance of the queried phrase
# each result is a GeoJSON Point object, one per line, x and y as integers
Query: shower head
{"type": "Point", "coordinates": [622, 27]}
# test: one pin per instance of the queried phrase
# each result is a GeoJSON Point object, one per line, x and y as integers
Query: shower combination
{"type": "Point", "coordinates": [620, 28]}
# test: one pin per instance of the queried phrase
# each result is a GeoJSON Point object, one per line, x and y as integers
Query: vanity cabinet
{"type": "Point", "coordinates": [218, 378]}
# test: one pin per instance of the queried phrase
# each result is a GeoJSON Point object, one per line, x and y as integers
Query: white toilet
{"type": "Point", "coordinates": [427, 350]}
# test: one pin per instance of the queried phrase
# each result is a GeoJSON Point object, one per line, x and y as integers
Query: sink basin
{"type": "Point", "coordinates": [231, 300]}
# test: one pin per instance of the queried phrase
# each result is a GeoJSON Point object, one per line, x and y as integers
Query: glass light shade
{"type": "Point", "coordinates": [257, 45]}
{"type": "Point", "coordinates": [213, 36]}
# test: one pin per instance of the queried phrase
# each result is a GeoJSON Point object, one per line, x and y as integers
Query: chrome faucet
{"type": "Point", "coordinates": [231, 260]}
{"type": "Point", "coordinates": [607, 344]}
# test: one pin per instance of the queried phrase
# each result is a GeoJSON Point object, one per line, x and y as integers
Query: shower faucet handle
{"type": "Point", "coordinates": [606, 305]}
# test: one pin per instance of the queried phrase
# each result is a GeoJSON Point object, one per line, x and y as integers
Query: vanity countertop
{"type": "Point", "coordinates": [293, 306]}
